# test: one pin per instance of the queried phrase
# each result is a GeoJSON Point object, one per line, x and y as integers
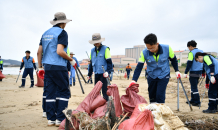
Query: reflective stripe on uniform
{"type": "Point", "coordinates": [43, 96]}
{"type": "Point", "coordinates": [212, 99]}
{"type": "Point", "coordinates": [64, 99]}
{"type": "Point", "coordinates": [50, 100]}
{"type": "Point", "coordinates": [195, 92]}
{"type": "Point", "coordinates": [23, 78]}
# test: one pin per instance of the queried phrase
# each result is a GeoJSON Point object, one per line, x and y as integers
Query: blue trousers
{"type": "Point", "coordinates": [157, 89]}
{"type": "Point", "coordinates": [27, 71]}
{"type": "Point", "coordinates": [213, 95]}
{"type": "Point", "coordinates": [57, 93]}
{"type": "Point", "coordinates": [99, 77]}
{"type": "Point", "coordinates": [194, 90]}
{"type": "Point", "coordinates": [72, 75]}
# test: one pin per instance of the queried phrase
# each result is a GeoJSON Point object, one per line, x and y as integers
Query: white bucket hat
{"type": "Point", "coordinates": [96, 38]}
{"type": "Point", "coordinates": [60, 17]}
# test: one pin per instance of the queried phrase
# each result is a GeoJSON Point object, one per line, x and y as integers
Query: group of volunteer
{"type": "Point", "coordinates": [54, 60]}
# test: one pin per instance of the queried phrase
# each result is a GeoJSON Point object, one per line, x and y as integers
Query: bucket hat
{"type": "Point", "coordinates": [60, 17]}
{"type": "Point", "coordinates": [96, 38]}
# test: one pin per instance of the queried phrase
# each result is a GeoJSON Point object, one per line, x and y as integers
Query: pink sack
{"type": "Point", "coordinates": [40, 82]}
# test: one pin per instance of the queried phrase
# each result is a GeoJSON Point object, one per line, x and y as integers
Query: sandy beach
{"type": "Point", "coordinates": [21, 108]}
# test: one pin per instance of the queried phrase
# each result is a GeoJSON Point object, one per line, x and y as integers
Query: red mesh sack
{"type": "Point", "coordinates": [1, 75]}
{"type": "Point", "coordinates": [85, 106]}
{"type": "Point", "coordinates": [114, 92]}
{"type": "Point", "coordinates": [99, 101]}
{"type": "Point", "coordinates": [99, 112]}
{"type": "Point", "coordinates": [41, 74]}
{"type": "Point", "coordinates": [125, 75]}
{"type": "Point", "coordinates": [40, 82]}
{"type": "Point", "coordinates": [131, 99]}
{"type": "Point", "coordinates": [140, 121]}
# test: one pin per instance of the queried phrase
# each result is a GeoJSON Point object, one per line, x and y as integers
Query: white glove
{"type": "Point", "coordinates": [73, 62]}
{"type": "Point", "coordinates": [69, 73]}
{"type": "Point", "coordinates": [185, 76]}
{"type": "Point", "coordinates": [105, 74]}
{"type": "Point", "coordinates": [88, 77]}
{"type": "Point", "coordinates": [178, 74]}
{"type": "Point", "coordinates": [212, 80]}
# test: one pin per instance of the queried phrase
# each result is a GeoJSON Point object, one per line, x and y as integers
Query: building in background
{"type": "Point", "coordinates": [134, 52]}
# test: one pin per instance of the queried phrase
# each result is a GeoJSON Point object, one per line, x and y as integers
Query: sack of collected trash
{"type": "Point", "coordinates": [125, 75]}
{"type": "Point", "coordinates": [40, 82]}
{"type": "Point", "coordinates": [1, 75]}
{"type": "Point", "coordinates": [93, 105]}
{"type": "Point", "coordinates": [131, 99]}
{"type": "Point", "coordinates": [112, 90]}
{"type": "Point", "coordinates": [140, 120]}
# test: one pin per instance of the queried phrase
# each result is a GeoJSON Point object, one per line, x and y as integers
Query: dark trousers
{"type": "Point", "coordinates": [128, 73]}
{"type": "Point", "coordinates": [44, 96]}
{"type": "Point", "coordinates": [212, 94]}
{"type": "Point", "coordinates": [194, 90]}
{"type": "Point", "coordinates": [57, 93]}
{"type": "Point", "coordinates": [27, 71]}
{"type": "Point", "coordinates": [99, 77]}
{"type": "Point", "coordinates": [157, 89]}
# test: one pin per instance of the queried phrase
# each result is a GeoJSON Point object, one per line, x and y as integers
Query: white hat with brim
{"type": "Point", "coordinates": [96, 38]}
{"type": "Point", "coordinates": [60, 17]}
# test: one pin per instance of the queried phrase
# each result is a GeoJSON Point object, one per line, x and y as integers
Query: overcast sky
{"type": "Point", "coordinates": [123, 24]}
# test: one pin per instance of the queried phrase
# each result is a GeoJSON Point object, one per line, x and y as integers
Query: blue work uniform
{"type": "Point", "coordinates": [195, 70]}
{"type": "Point", "coordinates": [1, 66]}
{"type": "Point", "coordinates": [29, 64]}
{"type": "Point", "coordinates": [72, 71]}
{"type": "Point", "coordinates": [158, 70]}
{"type": "Point", "coordinates": [213, 88]}
{"type": "Point", "coordinates": [97, 61]}
{"type": "Point", "coordinates": [56, 73]}
{"type": "Point", "coordinates": [128, 69]}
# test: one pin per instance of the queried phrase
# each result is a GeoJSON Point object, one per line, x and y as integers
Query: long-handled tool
{"type": "Point", "coordinates": [108, 81]}
{"type": "Point", "coordinates": [18, 77]}
{"type": "Point", "coordinates": [79, 81]}
{"type": "Point", "coordinates": [177, 94]}
{"type": "Point", "coordinates": [186, 94]}
{"type": "Point", "coordinates": [81, 74]}
{"type": "Point", "coordinates": [88, 55]}
{"type": "Point", "coordinates": [201, 80]}
{"type": "Point", "coordinates": [203, 97]}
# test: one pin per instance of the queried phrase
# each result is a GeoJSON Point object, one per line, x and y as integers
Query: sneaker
{"type": "Point", "coordinates": [209, 111]}
{"type": "Point", "coordinates": [57, 123]}
{"type": "Point", "coordinates": [44, 115]}
{"type": "Point", "coordinates": [70, 85]}
{"type": "Point", "coordinates": [195, 104]}
{"type": "Point", "coordinates": [51, 123]}
{"type": "Point", "coordinates": [21, 86]}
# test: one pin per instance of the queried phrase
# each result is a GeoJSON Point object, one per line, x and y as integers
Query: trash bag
{"type": "Point", "coordinates": [140, 120]}
{"type": "Point", "coordinates": [114, 92]}
{"type": "Point", "coordinates": [125, 75]}
{"type": "Point", "coordinates": [131, 99]}
{"type": "Point", "coordinates": [40, 82]}
{"type": "Point", "coordinates": [85, 106]}
{"type": "Point", "coordinates": [1, 75]}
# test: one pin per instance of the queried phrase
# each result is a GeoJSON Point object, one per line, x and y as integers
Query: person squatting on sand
{"type": "Point", "coordinates": [54, 45]}
{"type": "Point", "coordinates": [157, 57]}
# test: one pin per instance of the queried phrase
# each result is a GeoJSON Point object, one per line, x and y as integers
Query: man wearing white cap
{"type": "Point", "coordinates": [100, 56]}
{"type": "Point", "coordinates": [53, 45]}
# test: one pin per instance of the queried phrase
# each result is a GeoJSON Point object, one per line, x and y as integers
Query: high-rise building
{"type": "Point", "coordinates": [134, 52]}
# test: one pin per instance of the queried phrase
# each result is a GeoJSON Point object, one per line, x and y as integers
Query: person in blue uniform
{"type": "Point", "coordinates": [128, 69]}
{"type": "Point", "coordinates": [72, 70]}
{"type": "Point", "coordinates": [1, 65]}
{"type": "Point", "coordinates": [195, 72]}
{"type": "Point", "coordinates": [53, 45]}
{"type": "Point", "coordinates": [211, 68]}
{"type": "Point", "coordinates": [100, 56]}
{"type": "Point", "coordinates": [157, 57]}
{"type": "Point", "coordinates": [29, 63]}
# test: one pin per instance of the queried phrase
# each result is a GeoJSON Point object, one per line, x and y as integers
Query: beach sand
{"type": "Point", "coordinates": [21, 108]}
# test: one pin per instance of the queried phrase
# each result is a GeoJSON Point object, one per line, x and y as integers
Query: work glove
{"type": "Point", "coordinates": [212, 80]}
{"type": "Point", "coordinates": [203, 75]}
{"type": "Point", "coordinates": [185, 75]}
{"type": "Point", "coordinates": [41, 73]}
{"type": "Point", "coordinates": [88, 77]}
{"type": "Point", "coordinates": [105, 74]}
{"type": "Point", "coordinates": [73, 63]}
{"type": "Point", "coordinates": [178, 74]}
{"type": "Point", "coordinates": [132, 83]}
{"type": "Point", "coordinates": [69, 73]}
{"type": "Point", "coordinates": [207, 86]}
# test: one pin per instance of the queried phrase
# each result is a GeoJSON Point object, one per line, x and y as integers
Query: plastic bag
{"type": "Point", "coordinates": [140, 120]}
{"type": "Point", "coordinates": [1, 75]}
{"type": "Point", "coordinates": [114, 92]}
{"type": "Point", "coordinates": [131, 99]}
{"type": "Point", "coordinates": [40, 82]}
